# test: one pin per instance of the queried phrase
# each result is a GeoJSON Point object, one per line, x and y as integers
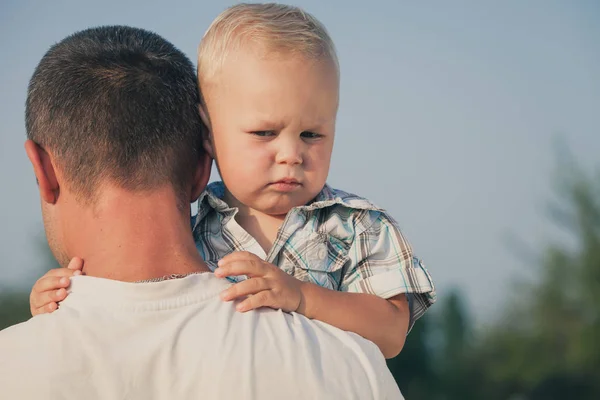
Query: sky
{"type": "Point", "coordinates": [449, 116]}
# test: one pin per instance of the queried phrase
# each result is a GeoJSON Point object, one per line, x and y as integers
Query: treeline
{"type": "Point", "coordinates": [546, 345]}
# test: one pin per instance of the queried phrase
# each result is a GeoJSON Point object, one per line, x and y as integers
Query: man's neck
{"type": "Point", "coordinates": [132, 237]}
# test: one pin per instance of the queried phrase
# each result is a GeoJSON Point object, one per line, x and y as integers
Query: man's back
{"type": "Point", "coordinates": [176, 339]}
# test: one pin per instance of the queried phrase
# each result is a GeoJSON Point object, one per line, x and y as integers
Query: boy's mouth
{"type": "Point", "coordinates": [288, 180]}
{"type": "Point", "coordinates": [286, 185]}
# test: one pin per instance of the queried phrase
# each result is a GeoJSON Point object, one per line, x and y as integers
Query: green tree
{"type": "Point", "coordinates": [437, 361]}
{"type": "Point", "coordinates": [14, 308]}
{"type": "Point", "coordinates": [454, 356]}
{"type": "Point", "coordinates": [548, 346]}
{"type": "Point", "coordinates": [412, 368]}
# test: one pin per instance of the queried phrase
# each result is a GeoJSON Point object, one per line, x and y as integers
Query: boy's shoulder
{"type": "Point", "coordinates": [344, 211]}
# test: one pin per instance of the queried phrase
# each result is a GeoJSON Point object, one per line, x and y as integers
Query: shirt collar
{"type": "Point", "coordinates": [328, 197]}
{"type": "Point", "coordinates": [212, 199]}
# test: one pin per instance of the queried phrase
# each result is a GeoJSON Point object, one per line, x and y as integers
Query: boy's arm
{"type": "Point", "coordinates": [384, 322]}
{"type": "Point", "coordinates": [381, 262]}
{"type": "Point", "coordinates": [381, 266]}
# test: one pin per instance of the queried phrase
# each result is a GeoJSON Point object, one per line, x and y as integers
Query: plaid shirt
{"type": "Point", "coordinates": [338, 241]}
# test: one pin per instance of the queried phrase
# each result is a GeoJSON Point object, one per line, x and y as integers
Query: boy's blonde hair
{"type": "Point", "coordinates": [277, 27]}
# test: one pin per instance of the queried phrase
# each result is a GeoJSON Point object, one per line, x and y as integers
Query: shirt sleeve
{"type": "Point", "coordinates": [381, 262]}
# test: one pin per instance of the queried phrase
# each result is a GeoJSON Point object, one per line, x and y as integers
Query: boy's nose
{"type": "Point", "coordinates": [290, 155]}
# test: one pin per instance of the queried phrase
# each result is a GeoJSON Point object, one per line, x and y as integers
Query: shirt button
{"type": "Point", "coordinates": [322, 253]}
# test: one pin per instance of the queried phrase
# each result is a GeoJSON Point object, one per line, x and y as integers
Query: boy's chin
{"type": "Point", "coordinates": [280, 205]}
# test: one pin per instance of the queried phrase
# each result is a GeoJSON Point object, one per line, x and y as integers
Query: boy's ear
{"type": "Point", "coordinates": [201, 176]}
{"type": "Point", "coordinates": [44, 172]}
{"type": "Point", "coordinates": [207, 141]}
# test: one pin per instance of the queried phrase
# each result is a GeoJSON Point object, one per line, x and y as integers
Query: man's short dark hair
{"type": "Point", "coordinates": [120, 104]}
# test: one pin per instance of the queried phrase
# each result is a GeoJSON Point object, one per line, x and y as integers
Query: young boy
{"type": "Point", "coordinates": [269, 80]}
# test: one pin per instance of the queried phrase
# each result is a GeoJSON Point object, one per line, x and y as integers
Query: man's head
{"type": "Point", "coordinates": [112, 107]}
{"type": "Point", "coordinates": [269, 80]}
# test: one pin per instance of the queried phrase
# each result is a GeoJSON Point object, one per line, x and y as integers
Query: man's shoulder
{"type": "Point", "coordinates": [289, 332]}
{"type": "Point", "coordinates": [26, 328]}
{"type": "Point", "coordinates": [268, 339]}
{"type": "Point", "coordinates": [321, 353]}
{"type": "Point", "coordinates": [27, 347]}
{"type": "Point", "coordinates": [293, 330]}
{"type": "Point", "coordinates": [29, 335]}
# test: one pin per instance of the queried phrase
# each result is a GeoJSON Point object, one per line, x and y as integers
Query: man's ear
{"type": "Point", "coordinates": [201, 176]}
{"type": "Point", "coordinates": [207, 142]}
{"type": "Point", "coordinates": [44, 171]}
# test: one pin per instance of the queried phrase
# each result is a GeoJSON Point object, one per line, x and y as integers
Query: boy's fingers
{"type": "Point", "coordinates": [237, 256]}
{"type": "Point", "coordinates": [61, 272]}
{"type": "Point", "coordinates": [245, 288]}
{"type": "Point", "coordinates": [52, 282]}
{"type": "Point", "coordinates": [48, 308]}
{"type": "Point", "coordinates": [76, 263]}
{"type": "Point", "coordinates": [58, 295]}
{"type": "Point", "coordinates": [50, 296]}
{"type": "Point", "coordinates": [251, 268]}
{"type": "Point", "coordinates": [261, 299]}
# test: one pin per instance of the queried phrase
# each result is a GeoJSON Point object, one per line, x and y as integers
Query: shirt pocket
{"type": "Point", "coordinates": [319, 258]}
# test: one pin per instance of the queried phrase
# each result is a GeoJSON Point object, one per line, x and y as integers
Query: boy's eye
{"type": "Point", "coordinates": [311, 135]}
{"type": "Point", "coordinates": [263, 133]}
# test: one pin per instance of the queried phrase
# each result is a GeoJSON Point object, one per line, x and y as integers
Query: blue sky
{"type": "Point", "coordinates": [449, 112]}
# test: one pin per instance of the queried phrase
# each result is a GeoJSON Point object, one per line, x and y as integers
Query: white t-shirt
{"type": "Point", "coordinates": [176, 339]}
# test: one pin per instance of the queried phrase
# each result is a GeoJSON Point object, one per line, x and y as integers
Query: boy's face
{"type": "Point", "coordinates": [272, 124]}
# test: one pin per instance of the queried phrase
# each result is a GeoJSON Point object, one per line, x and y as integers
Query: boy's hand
{"type": "Point", "coordinates": [268, 285]}
{"type": "Point", "coordinates": [52, 287]}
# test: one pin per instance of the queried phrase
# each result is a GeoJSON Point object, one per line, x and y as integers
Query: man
{"type": "Point", "coordinates": [114, 141]}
